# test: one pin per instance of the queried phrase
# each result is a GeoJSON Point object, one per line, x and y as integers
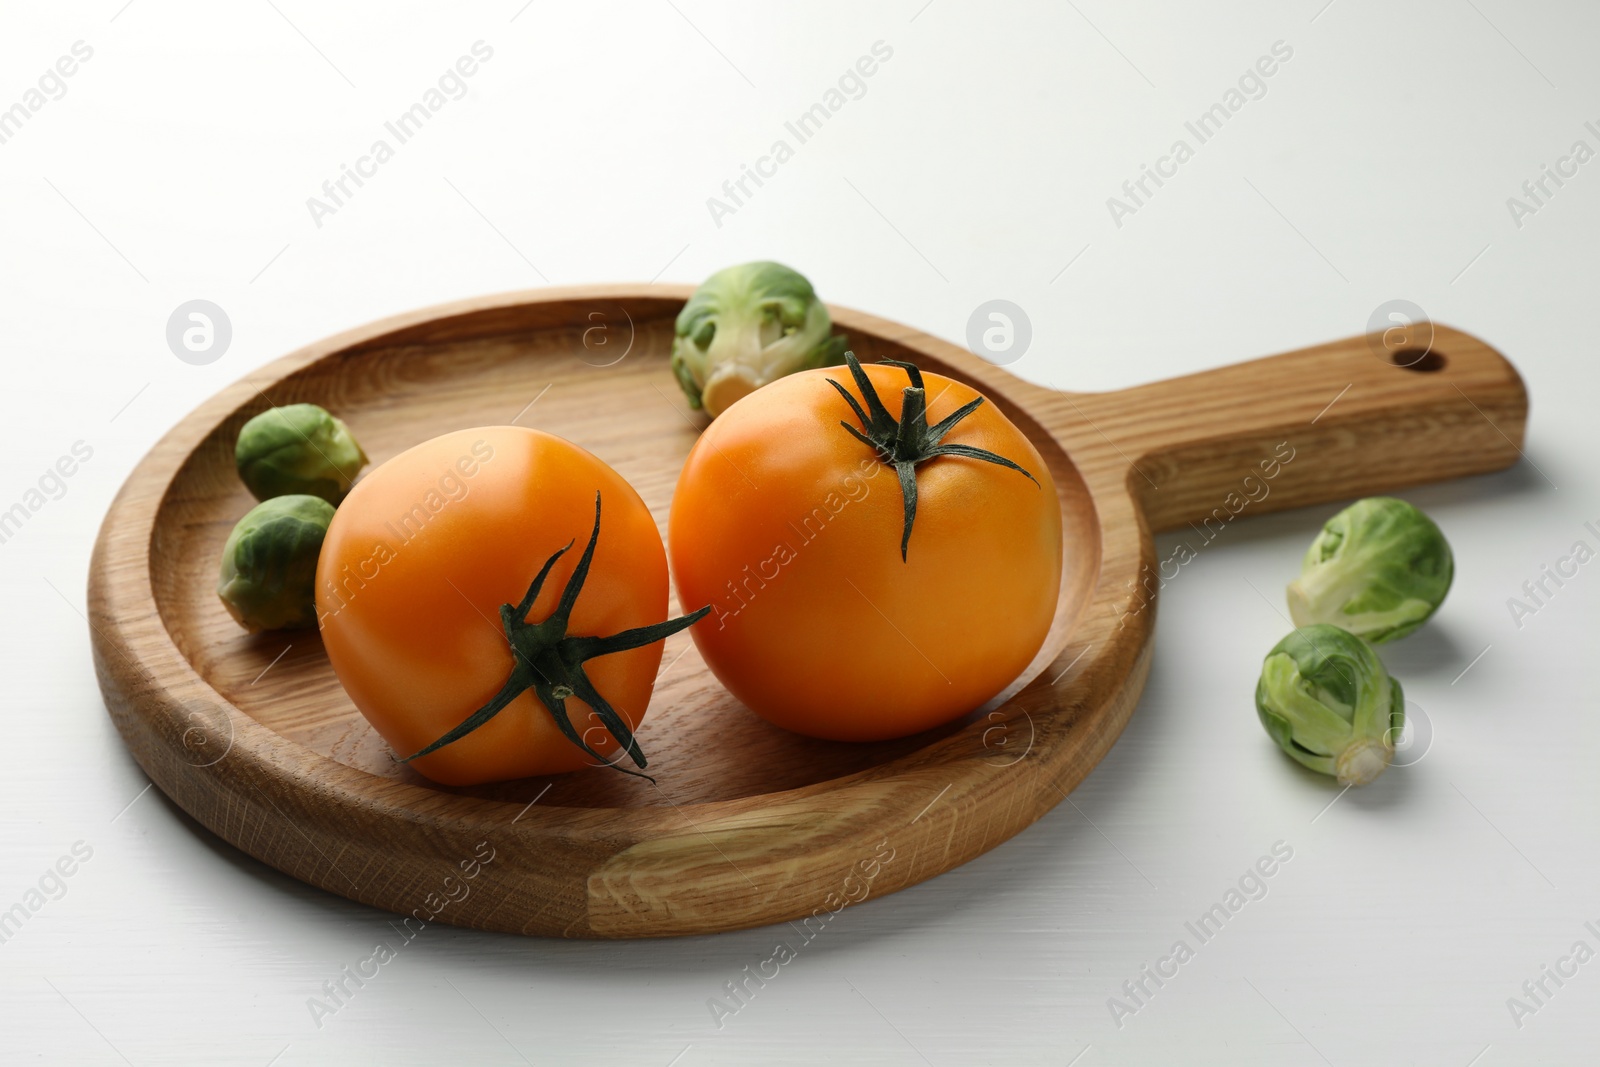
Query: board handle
{"type": "Point", "coordinates": [1351, 418]}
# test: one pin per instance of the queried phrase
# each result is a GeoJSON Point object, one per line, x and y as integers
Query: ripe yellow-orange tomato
{"type": "Point", "coordinates": [791, 527]}
{"type": "Point", "coordinates": [418, 562]}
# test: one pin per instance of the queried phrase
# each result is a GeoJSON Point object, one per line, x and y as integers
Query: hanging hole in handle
{"type": "Point", "coordinates": [1420, 360]}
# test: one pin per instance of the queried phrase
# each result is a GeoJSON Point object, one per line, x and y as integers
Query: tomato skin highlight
{"type": "Point", "coordinates": [790, 528]}
{"type": "Point", "coordinates": [420, 557]}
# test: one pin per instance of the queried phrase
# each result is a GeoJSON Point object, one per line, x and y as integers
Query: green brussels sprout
{"type": "Point", "coordinates": [1379, 569]}
{"type": "Point", "coordinates": [747, 326]}
{"type": "Point", "coordinates": [299, 448]}
{"type": "Point", "coordinates": [269, 565]}
{"type": "Point", "coordinates": [1325, 698]}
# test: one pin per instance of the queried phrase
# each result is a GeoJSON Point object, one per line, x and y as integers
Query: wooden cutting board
{"type": "Point", "coordinates": [253, 736]}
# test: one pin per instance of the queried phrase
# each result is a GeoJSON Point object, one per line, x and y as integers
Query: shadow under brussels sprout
{"type": "Point", "coordinates": [1431, 652]}
{"type": "Point", "coordinates": [1390, 789]}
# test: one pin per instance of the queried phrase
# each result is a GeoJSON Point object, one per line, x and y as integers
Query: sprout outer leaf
{"type": "Point", "coordinates": [267, 578]}
{"type": "Point", "coordinates": [1380, 568]}
{"type": "Point", "coordinates": [747, 326]}
{"type": "Point", "coordinates": [1325, 698]}
{"type": "Point", "coordinates": [297, 449]}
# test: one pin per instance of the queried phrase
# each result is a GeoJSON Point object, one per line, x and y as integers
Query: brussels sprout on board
{"type": "Point", "coordinates": [1379, 569]}
{"type": "Point", "coordinates": [1327, 701]}
{"type": "Point", "coordinates": [269, 564]}
{"type": "Point", "coordinates": [745, 327]}
{"type": "Point", "coordinates": [298, 448]}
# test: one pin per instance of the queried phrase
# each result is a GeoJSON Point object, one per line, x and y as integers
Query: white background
{"type": "Point", "coordinates": [977, 165]}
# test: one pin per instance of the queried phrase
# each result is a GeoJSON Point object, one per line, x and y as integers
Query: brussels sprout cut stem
{"type": "Point", "coordinates": [1327, 701]}
{"type": "Point", "coordinates": [905, 442]}
{"type": "Point", "coordinates": [747, 326]}
{"type": "Point", "coordinates": [550, 662]}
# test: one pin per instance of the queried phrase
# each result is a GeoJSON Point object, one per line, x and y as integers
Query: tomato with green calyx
{"type": "Point", "coordinates": [881, 547]}
{"type": "Point", "coordinates": [465, 630]}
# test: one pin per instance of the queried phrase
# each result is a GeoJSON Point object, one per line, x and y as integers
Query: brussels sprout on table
{"type": "Point", "coordinates": [1327, 701]}
{"type": "Point", "coordinates": [1379, 569]}
{"type": "Point", "coordinates": [269, 564]}
{"type": "Point", "coordinates": [747, 326]}
{"type": "Point", "coordinates": [299, 448]}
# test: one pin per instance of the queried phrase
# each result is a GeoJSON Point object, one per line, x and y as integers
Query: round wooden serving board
{"type": "Point", "coordinates": [749, 824]}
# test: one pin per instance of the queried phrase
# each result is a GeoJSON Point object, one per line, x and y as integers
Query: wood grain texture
{"type": "Point", "coordinates": [749, 824]}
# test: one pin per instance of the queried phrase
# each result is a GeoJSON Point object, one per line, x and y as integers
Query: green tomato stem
{"type": "Point", "coordinates": [549, 661]}
{"type": "Point", "coordinates": [908, 441]}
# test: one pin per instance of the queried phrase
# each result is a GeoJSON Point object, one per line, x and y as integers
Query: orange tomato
{"type": "Point", "coordinates": [790, 526]}
{"type": "Point", "coordinates": [415, 569]}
